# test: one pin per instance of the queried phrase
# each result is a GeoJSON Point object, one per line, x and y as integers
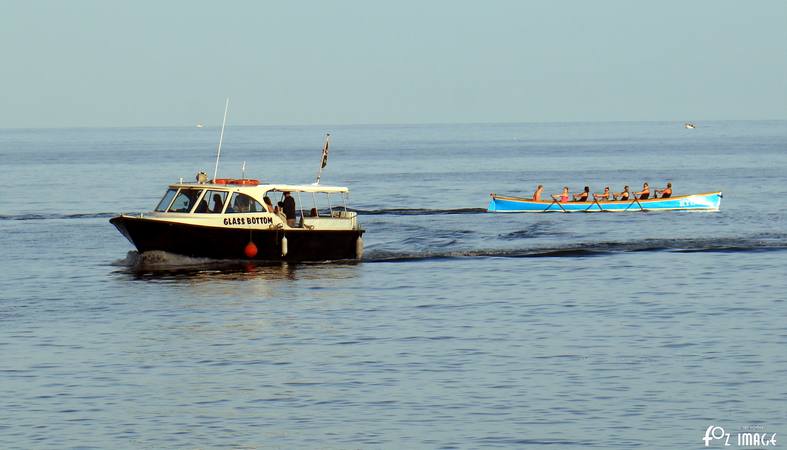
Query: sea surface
{"type": "Point", "coordinates": [458, 329]}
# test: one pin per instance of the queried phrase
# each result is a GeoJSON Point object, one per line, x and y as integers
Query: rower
{"type": "Point", "coordinates": [562, 197]}
{"type": "Point", "coordinates": [622, 195]}
{"type": "Point", "coordinates": [604, 196]}
{"type": "Point", "coordinates": [582, 196]}
{"type": "Point", "coordinates": [644, 193]}
{"type": "Point", "coordinates": [537, 194]}
{"type": "Point", "coordinates": [666, 192]}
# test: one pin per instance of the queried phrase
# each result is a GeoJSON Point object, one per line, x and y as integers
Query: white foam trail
{"type": "Point", "coordinates": [129, 261]}
{"type": "Point", "coordinates": [157, 259]}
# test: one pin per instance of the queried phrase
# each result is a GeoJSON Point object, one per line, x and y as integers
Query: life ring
{"type": "Point", "coordinates": [245, 182]}
{"type": "Point", "coordinates": [242, 182]}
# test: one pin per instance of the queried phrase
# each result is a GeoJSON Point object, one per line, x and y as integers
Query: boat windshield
{"type": "Point", "coordinates": [166, 200]}
{"type": "Point", "coordinates": [185, 200]}
{"type": "Point", "coordinates": [212, 202]}
{"type": "Point", "coordinates": [240, 203]}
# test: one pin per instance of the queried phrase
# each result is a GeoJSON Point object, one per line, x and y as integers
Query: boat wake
{"type": "Point", "coordinates": [104, 215]}
{"type": "Point", "coordinates": [534, 230]}
{"type": "Point", "coordinates": [417, 211]}
{"type": "Point", "coordinates": [159, 260]}
{"type": "Point", "coordinates": [580, 250]}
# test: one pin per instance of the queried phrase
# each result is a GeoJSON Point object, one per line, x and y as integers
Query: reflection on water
{"type": "Point", "coordinates": [158, 265]}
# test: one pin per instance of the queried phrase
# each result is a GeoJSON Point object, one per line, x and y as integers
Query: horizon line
{"type": "Point", "coordinates": [389, 124]}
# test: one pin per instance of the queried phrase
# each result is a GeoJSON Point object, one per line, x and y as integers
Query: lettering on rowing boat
{"type": "Point", "coordinates": [248, 220]}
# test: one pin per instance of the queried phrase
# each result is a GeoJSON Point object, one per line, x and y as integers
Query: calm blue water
{"type": "Point", "coordinates": [460, 329]}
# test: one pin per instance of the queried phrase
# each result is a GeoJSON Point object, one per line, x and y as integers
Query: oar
{"type": "Point", "coordinates": [595, 201]}
{"type": "Point", "coordinates": [554, 200]}
{"type": "Point", "coordinates": [636, 200]}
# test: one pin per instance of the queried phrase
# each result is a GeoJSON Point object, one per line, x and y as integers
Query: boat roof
{"type": "Point", "coordinates": [268, 187]}
{"type": "Point", "coordinates": [304, 188]}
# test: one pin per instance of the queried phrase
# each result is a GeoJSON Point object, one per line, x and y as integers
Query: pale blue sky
{"type": "Point", "coordinates": [164, 63]}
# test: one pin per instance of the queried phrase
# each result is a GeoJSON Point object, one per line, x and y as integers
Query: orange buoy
{"type": "Point", "coordinates": [250, 250]}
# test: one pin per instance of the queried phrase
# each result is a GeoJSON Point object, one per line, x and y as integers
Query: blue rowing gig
{"type": "Point", "coordinates": [709, 201]}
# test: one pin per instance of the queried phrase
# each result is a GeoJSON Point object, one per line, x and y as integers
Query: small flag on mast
{"type": "Point", "coordinates": [325, 150]}
{"type": "Point", "coordinates": [324, 161]}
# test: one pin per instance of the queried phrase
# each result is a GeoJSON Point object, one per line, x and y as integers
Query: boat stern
{"type": "Point", "coordinates": [717, 200]}
{"type": "Point", "coordinates": [492, 204]}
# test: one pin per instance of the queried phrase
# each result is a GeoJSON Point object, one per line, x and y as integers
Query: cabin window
{"type": "Point", "coordinates": [185, 200]}
{"type": "Point", "coordinates": [242, 203]}
{"type": "Point", "coordinates": [166, 200]}
{"type": "Point", "coordinates": [212, 202]}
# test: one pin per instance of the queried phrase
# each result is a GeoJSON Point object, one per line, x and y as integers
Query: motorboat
{"type": "Point", "coordinates": [231, 219]}
{"type": "Point", "coordinates": [226, 218]}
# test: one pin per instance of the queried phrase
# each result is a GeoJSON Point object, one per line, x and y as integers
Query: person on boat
{"type": "Point", "coordinates": [537, 194]}
{"type": "Point", "coordinates": [563, 197]}
{"type": "Point", "coordinates": [289, 208]}
{"type": "Point", "coordinates": [644, 193]}
{"type": "Point", "coordinates": [622, 195]}
{"type": "Point", "coordinates": [241, 204]}
{"type": "Point", "coordinates": [202, 207]}
{"type": "Point", "coordinates": [280, 213]}
{"type": "Point", "coordinates": [582, 196]}
{"type": "Point", "coordinates": [268, 204]}
{"type": "Point", "coordinates": [217, 204]}
{"type": "Point", "coordinates": [605, 196]}
{"type": "Point", "coordinates": [666, 192]}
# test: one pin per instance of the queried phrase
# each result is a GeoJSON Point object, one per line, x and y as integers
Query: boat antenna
{"type": "Point", "coordinates": [221, 138]}
{"type": "Point", "coordinates": [324, 159]}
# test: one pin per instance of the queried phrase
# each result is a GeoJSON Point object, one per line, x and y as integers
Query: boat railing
{"type": "Point", "coordinates": [334, 222]}
{"type": "Point", "coordinates": [344, 214]}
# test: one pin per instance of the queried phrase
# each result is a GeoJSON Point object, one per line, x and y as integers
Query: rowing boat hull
{"type": "Point", "coordinates": [709, 201]}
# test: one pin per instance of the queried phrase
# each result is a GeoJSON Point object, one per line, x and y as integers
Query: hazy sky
{"type": "Point", "coordinates": [162, 63]}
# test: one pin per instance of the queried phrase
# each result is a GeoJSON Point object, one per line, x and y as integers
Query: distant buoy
{"type": "Point", "coordinates": [250, 250]}
{"type": "Point", "coordinates": [284, 246]}
{"type": "Point", "coordinates": [359, 248]}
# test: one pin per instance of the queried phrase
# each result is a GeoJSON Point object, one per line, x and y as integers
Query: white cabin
{"type": "Point", "coordinates": [241, 204]}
